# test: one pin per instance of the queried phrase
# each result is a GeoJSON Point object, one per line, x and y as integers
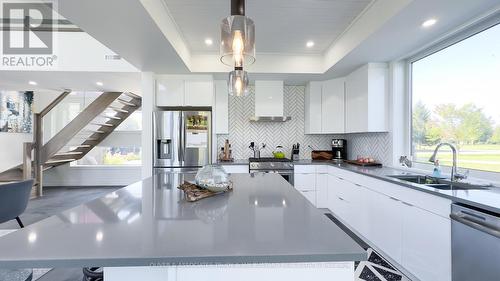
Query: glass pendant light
{"type": "Point", "coordinates": [237, 37]}
{"type": "Point", "coordinates": [238, 82]}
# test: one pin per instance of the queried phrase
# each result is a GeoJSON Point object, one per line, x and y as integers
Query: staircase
{"type": "Point", "coordinates": [89, 128]}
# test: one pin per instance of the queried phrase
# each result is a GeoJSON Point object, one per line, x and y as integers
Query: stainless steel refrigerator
{"type": "Point", "coordinates": [182, 140]}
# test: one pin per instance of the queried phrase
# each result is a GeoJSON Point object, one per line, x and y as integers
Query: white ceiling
{"type": "Point", "coordinates": [75, 80]}
{"type": "Point", "coordinates": [282, 26]}
{"type": "Point", "coordinates": [150, 34]}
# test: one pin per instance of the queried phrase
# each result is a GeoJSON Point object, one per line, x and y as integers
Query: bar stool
{"type": "Point", "coordinates": [93, 274]}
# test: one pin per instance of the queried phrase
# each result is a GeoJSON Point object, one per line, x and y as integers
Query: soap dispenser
{"type": "Point", "coordinates": [436, 172]}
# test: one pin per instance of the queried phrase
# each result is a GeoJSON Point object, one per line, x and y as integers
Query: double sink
{"type": "Point", "coordinates": [437, 183]}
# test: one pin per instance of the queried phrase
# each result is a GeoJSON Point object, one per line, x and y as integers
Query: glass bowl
{"type": "Point", "coordinates": [213, 178]}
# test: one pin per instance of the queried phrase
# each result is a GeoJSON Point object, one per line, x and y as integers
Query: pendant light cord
{"type": "Point", "coordinates": [237, 7]}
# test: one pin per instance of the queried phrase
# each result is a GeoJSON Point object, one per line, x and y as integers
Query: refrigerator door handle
{"type": "Point", "coordinates": [179, 147]}
{"type": "Point", "coordinates": [183, 137]}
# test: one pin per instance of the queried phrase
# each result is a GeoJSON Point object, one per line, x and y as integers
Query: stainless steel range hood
{"type": "Point", "coordinates": [270, 118]}
{"type": "Point", "coordinates": [269, 102]}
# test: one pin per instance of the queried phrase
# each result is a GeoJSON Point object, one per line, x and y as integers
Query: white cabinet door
{"type": "Point", "coordinates": [304, 182]}
{"type": "Point", "coordinates": [322, 190]}
{"type": "Point", "coordinates": [384, 229]}
{"type": "Point", "coordinates": [358, 196]}
{"type": "Point", "coordinates": [356, 100]}
{"type": "Point", "coordinates": [269, 98]}
{"type": "Point", "coordinates": [236, 169]}
{"type": "Point", "coordinates": [313, 108]}
{"type": "Point", "coordinates": [426, 250]}
{"type": "Point", "coordinates": [310, 195]}
{"type": "Point", "coordinates": [169, 92]}
{"type": "Point", "coordinates": [366, 99]}
{"type": "Point", "coordinates": [337, 200]}
{"type": "Point", "coordinates": [221, 107]}
{"type": "Point", "coordinates": [198, 93]}
{"type": "Point", "coordinates": [333, 104]}
{"type": "Point", "coordinates": [332, 194]}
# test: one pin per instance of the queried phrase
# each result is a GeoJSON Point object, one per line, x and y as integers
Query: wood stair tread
{"type": "Point", "coordinates": [118, 109]}
{"type": "Point", "coordinates": [57, 161]}
{"type": "Point", "coordinates": [125, 102]}
{"type": "Point", "coordinates": [132, 95]}
{"type": "Point", "coordinates": [68, 153]}
{"type": "Point", "coordinates": [111, 117]}
{"type": "Point", "coordinates": [102, 124]}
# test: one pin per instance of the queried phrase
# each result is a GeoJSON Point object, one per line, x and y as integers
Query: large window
{"type": "Point", "coordinates": [456, 98]}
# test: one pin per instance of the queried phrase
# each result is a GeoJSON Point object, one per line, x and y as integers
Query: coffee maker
{"type": "Point", "coordinates": [339, 149]}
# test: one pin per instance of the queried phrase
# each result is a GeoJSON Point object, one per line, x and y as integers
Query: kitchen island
{"type": "Point", "coordinates": [148, 228]}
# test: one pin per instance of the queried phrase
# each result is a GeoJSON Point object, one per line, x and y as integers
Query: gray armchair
{"type": "Point", "coordinates": [14, 199]}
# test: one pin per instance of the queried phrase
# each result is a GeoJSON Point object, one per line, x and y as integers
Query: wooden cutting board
{"type": "Point", "coordinates": [354, 162]}
{"type": "Point", "coordinates": [193, 193]}
{"type": "Point", "coordinates": [321, 155]}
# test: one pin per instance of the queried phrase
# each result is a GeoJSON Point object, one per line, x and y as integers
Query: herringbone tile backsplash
{"type": "Point", "coordinates": [242, 131]}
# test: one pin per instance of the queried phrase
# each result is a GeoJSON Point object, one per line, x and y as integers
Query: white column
{"type": "Point", "coordinates": [398, 111]}
{"type": "Point", "coordinates": [148, 94]}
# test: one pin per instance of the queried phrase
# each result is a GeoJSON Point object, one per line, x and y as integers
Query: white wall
{"type": "Point", "coordinates": [11, 144]}
{"type": "Point", "coordinates": [148, 101]}
{"type": "Point", "coordinates": [91, 176]}
{"type": "Point", "coordinates": [11, 149]}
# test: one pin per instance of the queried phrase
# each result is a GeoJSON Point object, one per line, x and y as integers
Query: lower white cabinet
{"type": "Point", "coordinates": [303, 182]}
{"type": "Point", "coordinates": [310, 195]}
{"type": "Point", "coordinates": [384, 228]}
{"type": "Point", "coordinates": [426, 244]}
{"type": "Point", "coordinates": [236, 169]}
{"type": "Point", "coordinates": [312, 182]}
{"type": "Point", "coordinates": [416, 238]}
{"type": "Point", "coordinates": [322, 190]}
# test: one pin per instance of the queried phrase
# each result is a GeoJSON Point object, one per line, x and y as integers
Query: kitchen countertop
{"type": "Point", "coordinates": [485, 199]}
{"type": "Point", "coordinates": [263, 220]}
{"type": "Point", "coordinates": [234, 162]}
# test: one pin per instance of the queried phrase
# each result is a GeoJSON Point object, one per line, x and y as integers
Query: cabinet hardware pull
{"type": "Point", "coordinates": [408, 204]}
{"type": "Point", "coordinates": [340, 198]}
{"type": "Point", "coordinates": [394, 198]}
{"type": "Point", "coordinates": [358, 185]}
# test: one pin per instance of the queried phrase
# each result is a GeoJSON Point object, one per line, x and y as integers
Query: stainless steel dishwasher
{"type": "Point", "coordinates": [475, 238]}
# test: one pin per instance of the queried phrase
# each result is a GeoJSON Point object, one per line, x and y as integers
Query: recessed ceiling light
{"type": "Point", "coordinates": [33, 83]}
{"type": "Point", "coordinates": [310, 44]}
{"type": "Point", "coordinates": [99, 83]}
{"type": "Point", "coordinates": [429, 23]}
{"type": "Point", "coordinates": [209, 42]}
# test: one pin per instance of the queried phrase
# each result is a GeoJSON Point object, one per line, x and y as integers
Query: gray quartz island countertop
{"type": "Point", "coordinates": [488, 199]}
{"type": "Point", "coordinates": [263, 220]}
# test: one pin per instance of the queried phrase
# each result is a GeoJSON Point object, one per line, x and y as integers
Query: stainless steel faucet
{"type": "Point", "coordinates": [455, 176]}
{"type": "Point", "coordinates": [405, 161]}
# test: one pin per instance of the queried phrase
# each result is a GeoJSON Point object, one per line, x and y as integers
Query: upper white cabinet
{"type": "Point", "coordinates": [221, 107]}
{"type": "Point", "coordinates": [366, 99]}
{"type": "Point", "coordinates": [198, 93]}
{"type": "Point", "coordinates": [181, 92]}
{"type": "Point", "coordinates": [313, 118]}
{"type": "Point", "coordinates": [332, 106]}
{"type": "Point", "coordinates": [169, 92]}
{"type": "Point", "coordinates": [269, 98]}
{"type": "Point", "coordinates": [324, 107]}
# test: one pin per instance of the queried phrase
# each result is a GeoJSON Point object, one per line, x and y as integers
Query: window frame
{"type": "Point", "coordinates": [460, 34]}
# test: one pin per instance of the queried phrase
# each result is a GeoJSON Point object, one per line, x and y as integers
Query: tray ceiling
{"type": "Point", "coordinates": [282, 26]}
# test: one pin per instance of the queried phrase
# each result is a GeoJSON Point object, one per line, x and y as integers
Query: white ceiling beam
{"type": "Point", "coordinates": [265, 63]}
{"type": "Point", "coordinates": [160, 13]}
{"type": "Point", "coordinates": [367, 23]}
